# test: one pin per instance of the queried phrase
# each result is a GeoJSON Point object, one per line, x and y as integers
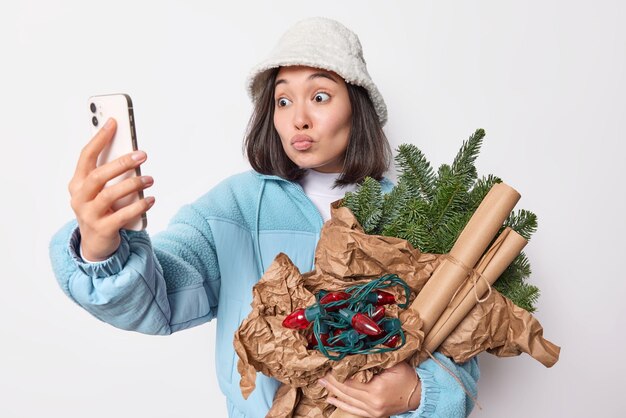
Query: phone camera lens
{"type": "Point", "coordinates": [93, 107]}
{"type": "Point", "coordinates": [94, 120]}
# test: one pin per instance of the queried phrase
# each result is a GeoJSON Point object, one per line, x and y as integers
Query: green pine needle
{"type": "Point", "coordinates": [394, 202]}
{"type": "Point", "coordinates": [463, 165]}
{"type": "Point", "coordinates": [523, 295]}
{"type": "Point", "coordinates": [480, 190]}
{"type": "Point", "coordinates": [366, 204]}
{"type": "Point", "coordinates": [523, 222]}
{"type": "Point", "coordinates": [450, 197]}
{"type": "Point", "coordinates": [415, 171]}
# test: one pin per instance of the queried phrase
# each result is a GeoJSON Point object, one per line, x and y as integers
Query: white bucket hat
{"type": "Point", "coordinates": [320, 43]}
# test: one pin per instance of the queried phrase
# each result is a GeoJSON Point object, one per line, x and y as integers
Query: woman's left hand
{"type": "Point", "coordinates": [386, 394]}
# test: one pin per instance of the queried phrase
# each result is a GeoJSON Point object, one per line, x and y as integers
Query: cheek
{"type": "Point", "coordinates": [279, 125]}
{"type": "Point", "coordinates": [338, 126]}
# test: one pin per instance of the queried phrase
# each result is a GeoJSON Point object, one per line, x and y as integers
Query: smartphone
{"type": "Point", "coordinates": [119, 107]}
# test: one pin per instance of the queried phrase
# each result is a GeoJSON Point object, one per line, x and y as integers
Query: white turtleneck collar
{"type": "Point", "coordinates": [319, 188]}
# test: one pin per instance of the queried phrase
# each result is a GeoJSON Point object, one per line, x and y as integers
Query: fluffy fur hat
{"type": "Point", "coordinates": [320, 43]}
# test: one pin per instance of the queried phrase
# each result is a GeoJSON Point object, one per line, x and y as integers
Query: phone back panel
{"type": "Point", "coordinates": [119, 107]}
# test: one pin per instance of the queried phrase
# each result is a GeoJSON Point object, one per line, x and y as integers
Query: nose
{"type": "Point", "coordinates": [301, 118]}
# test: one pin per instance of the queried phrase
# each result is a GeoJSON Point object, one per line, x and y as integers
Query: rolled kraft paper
{"type": "Point", "coordinates": [499, 256]}
{"type": "Point", "coordinates": [468, 248]}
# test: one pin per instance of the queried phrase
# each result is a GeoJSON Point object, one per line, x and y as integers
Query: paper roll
{"type": "Point", "coordinates": [437, 294]}
{"type": "Point", "coordinates": [499, 256]}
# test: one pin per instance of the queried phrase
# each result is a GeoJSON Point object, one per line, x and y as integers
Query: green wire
{"type": "Point", "coordinates": [358, 303]}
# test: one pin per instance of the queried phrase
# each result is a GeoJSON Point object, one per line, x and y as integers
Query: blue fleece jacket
{"type": "Point", "coordinates": [203, 266]}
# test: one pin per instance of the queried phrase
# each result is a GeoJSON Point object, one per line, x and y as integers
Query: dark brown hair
{"type": "Point", "coordinates": [368, 152]}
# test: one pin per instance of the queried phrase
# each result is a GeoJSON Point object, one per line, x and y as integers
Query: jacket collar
{"type": "Point", "coordinates": [386, 184]}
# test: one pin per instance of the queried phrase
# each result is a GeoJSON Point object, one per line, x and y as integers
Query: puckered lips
{"type": "Point", "coordinates": [301, 142]}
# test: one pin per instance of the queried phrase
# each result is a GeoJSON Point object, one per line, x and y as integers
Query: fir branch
{"type": "Point", "coordinates": [411, 224]}
{"type": "Point", "coordinates": [522, 265]}
{"type": "Point", "coordinates": [450, 198]}
{"type": "Point", "coordinates": [480, 190]}
{"type": "Point", "coordinates": [463, 164]}
{"type": "Point", "coordinates": [515, 273]}
{"type": "Point", "coordinates": [450, 232]}
{"type": "Point", "coordinates": [394, 203]}
{"type": "Point", "coordinates": [523, 222]}
{"type": "Point", "coordinates": [415, 171]}
{"type": "Point", "coordinates": [523, 295]}
{"type": "Point", "coordinates": [366, 204]}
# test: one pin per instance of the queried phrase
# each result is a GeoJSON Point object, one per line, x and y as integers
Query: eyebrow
{"type": "Point", "coordinates": [311, 77]}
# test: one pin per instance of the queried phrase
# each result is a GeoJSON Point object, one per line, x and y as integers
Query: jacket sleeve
{"type": "Point", "coordinates": [442, 396]}
{"type": "Point", "coordinates": [154, 286]}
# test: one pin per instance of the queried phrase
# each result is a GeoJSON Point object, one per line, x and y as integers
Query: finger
{"type": "Point", "coordinates": [352, 396]}
{"type": "Point", "coordinates": [97, 178]}
{"type": "Point", "coordinates": [351, 387]}
{"type": "Point", "coordinates": [348, 408]}
{"type": "Point", "coordinates": [109, 195]}
{"type": "Point", "coordinates": [89, 154]}
{"type": "Point", "coordinates": [124, 215]}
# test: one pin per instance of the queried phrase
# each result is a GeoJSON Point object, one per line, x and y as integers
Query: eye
{"type": "Point", "coordinates": [322, 97]}
{"type": "Point", "coordinates": [282, 102]}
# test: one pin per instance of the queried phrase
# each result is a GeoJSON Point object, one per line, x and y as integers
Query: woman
{"type": "Point", "coordinates": [315, 133]}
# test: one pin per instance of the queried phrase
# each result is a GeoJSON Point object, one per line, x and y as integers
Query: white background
{"type": "Point", "coordinates": [545, 79]}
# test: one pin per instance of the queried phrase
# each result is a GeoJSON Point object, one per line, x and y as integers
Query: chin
{"type": "Point", "coordinates": [321, 166]}
{"type": "Point", "coordinates": [306, 164]}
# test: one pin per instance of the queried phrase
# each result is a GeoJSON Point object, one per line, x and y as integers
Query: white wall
{"type": "Point", "coordinates": [545, 79]}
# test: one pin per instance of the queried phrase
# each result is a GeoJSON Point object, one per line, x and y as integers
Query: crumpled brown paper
{"type": "Point", "coordinates": [502, 328]}
{"type": "Point", "coordinates": [505, 248]}
{"type": "Point", "coordinates": [345, 256]}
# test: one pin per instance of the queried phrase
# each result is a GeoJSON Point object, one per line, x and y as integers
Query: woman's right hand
{"type": "Point", "coordinates": [92, 203]}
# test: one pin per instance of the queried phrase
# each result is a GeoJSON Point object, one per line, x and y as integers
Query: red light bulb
{"type": "Point", "coordinates": [391, 325]}
{"type": "Point", "coordinates": [363, 324]}
{"type": "Point", "coordinates": [313, 341]}
{"type": "Point", "coordinates": [393, 341]}
{"type": "Point", "coordinates": [380, 297]}
{"type": "Point", "coordinates": [301, 318]}
{"type": "Point", "coordinates": [379, 313]}
{"type": "Point", "coordinates": [334, 297]}
{"type": "Point", "coordinates": [296, 320]}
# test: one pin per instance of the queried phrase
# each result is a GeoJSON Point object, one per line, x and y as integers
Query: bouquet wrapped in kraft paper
{"type": "Point", "coordinates": [344, 256]}
{"type": "Point", "coordinates": [453, 307]}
